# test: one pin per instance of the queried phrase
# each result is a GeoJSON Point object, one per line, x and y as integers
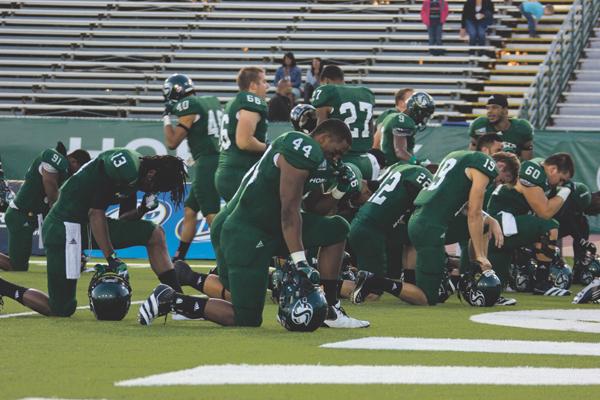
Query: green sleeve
{"type": "Point", "coordinates": [478, 127]}
{"type": "Point", "coordinates": [302, 151]}
{"type": "Point", "coordinates": [253, 103]}
{"type": "Point", "coordinates": [525, 130]}
{"type": "Point", "coordinates": [188, 105]}
{"type": "Point", "coordinates": [56, 160]}
{"type": "Point", "coordinates": [383, 115]}
{"type": "Point", "coordinates": [532, 173]}
{"type": "Point", "coordinates": [399, 124]}
{"type": "Point", "coordinates": [323, 96]}
{"type": "Point", "coordinates": [122, 166]}
{"type": "Point", "coordinates": [483, 163]}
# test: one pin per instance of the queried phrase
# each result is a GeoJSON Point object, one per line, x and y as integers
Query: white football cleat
{"type": "Point", "coordinates": [337, 318]}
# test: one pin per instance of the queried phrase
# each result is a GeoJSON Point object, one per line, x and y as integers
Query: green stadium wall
{"type": "Point", "coordinates": [23, 138]}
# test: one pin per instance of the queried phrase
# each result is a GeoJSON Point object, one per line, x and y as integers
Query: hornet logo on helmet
{"type": "Point", "coordinates": [302, 312]}
{"type": "Point", "coordinates": [477, 298]}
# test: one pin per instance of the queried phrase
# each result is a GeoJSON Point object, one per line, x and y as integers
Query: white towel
{"type": "Point", "coordinates": [509, 224]}
{"type": "Point", "coordinates": [40, 219]}
{"type": "Point", "coordinates": [73, 250]}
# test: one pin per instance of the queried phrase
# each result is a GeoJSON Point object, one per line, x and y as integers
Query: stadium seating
{"type": "Point", "coordinates": [109, 57]}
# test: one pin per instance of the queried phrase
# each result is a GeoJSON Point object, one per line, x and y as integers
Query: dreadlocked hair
{"type": "Point", "coordinates": [171, 175]}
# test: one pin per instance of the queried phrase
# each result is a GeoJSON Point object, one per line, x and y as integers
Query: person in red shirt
{"type": "Point", "coordinates": [434, 14]}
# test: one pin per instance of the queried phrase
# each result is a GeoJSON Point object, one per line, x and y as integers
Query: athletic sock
{"type": "Point", "coordinates": [330, 287]}
{"type": "Point", "coordinates": [170, 278]}
{"type": "Point", "coordinates": [410, 276]}
{"type": "Point", "coordinates": [189, 306]}
{"type": "Point", "coordinates": [199, 280]}
{"type": "Point", "coordinates": [387, 285]}
{"type": "Point", "coordinates": [182, 250]}
{"type": "Point", "coordinates": [11, 290]}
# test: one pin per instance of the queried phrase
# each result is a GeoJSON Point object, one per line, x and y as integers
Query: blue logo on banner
{"type": "Point", "coordinates": [171, 219]}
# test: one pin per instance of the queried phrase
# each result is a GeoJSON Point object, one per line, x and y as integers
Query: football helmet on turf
{"type": "Point", "coordinates": [480, 289]}
{"type": "Point", "coordinates": [560, 275]}
{"type": "Point", "coordinates": [420, 107]}
{"type": "Point", "coordinates": [304, 118]}
{"type": "Point", "coordinates": [520, 276]}
{"type": "Point", "coordinates": [177, 86]}
{"type": "Point", "coordinates": [110, 296]}
{"type": "Point", "coordinates": [302, 304]}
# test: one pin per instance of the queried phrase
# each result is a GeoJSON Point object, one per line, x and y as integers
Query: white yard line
{"type": "Point", "coordinates": [27, 313]}
{"type": "Point", "coordinates": [245, 374]}
{"type": "Point", "coordinates": [575, 320]}
{"type": "Point", "coordinates": [469, 345]}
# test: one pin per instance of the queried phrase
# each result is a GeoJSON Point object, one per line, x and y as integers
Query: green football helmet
{"type": "Point", "coordinates": [520, 277]}
{"type": "Point", "coordinates": [304, 118]}
{"type": "Point", "coordinates": [302, 304]}
{"type": "Point", "coordinates": [480, 289]}
{"type": "Point", "coordinates": [420, 107]}
{"type": "Point", "coordinates": [177, 86]}
{"type": "Point", "coordinates": [560, 275]}
{"type": "Point", "coordinates": [110, 296]}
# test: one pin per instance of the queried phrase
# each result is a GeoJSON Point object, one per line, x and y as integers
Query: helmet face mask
{"type": "Point", "coordinates": [302, 305]}
{"type": "Point", "coordinates": [304, 118]}
{"type": "Point", "coordinates": [420, 107]}
{"type": "Point", "coordinates": [109, 296]}
{"type": "Point", "coordinates": [177, 86]}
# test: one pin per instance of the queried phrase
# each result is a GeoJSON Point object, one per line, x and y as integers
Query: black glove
{"type": "Point", "coordinates": [311, 273]}
{"type": "Point", "coordinates": [116, 265]}
{"type": "Point", "coordinates": [168, 107]}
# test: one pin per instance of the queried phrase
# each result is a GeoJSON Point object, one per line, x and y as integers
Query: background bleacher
{"type": "Point", "coordinates": [110, 57]}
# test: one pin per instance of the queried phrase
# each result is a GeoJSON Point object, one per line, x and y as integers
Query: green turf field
{"type": "Point", "coordinates": [81, 358]}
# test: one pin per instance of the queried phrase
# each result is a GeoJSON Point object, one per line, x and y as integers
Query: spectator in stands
{"type": "Point", "coordinates": [434, 14]}
{"type": "Point", "coordinates": [477, 15]}
{"type": "Point", "coordinates": [290, 72]}
{"type": "Point", "coordinates": [533, 11]}
{"type": "Point", "coordinates": [281, 103]}
{"type": "Point", "coordinates": [312, 78]}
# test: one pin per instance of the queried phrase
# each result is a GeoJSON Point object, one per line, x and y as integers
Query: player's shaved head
{"type": "Point", "coordinates": [332, 73]}
{"type": "Point", "coordinates": [338, 130]}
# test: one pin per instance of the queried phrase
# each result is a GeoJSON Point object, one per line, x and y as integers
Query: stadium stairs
{"type": "Point", "coordinates": [580, 109]}
{"type": "Point", "coordinates": [110, 57]}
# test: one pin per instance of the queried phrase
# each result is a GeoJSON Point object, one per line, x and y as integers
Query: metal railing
{"type": "Point", "coordinates": [560, 62]}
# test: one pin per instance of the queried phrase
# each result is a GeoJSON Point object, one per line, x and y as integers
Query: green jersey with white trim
{"type": "Point", "coordinates": [32, 196]}
{"type": "Point", "coordinates": [203, 136]}
{"type": "Point", "coordinates": [449, 192]}
{"type": "Point", "coordinates": [515, 137]}
{"type": "Point", "coordinates": [401, 125]}
{"type": "Point", "coordinates": [354, 106]}
{"type": "Point", "coordinates": [231, 155]}
{"type": "Point", "coordinates": [120, 166]}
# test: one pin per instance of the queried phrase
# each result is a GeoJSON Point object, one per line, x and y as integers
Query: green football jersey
{"type": "Point", "coordinates": [399, 187]}
{"type": "Point", "coordinates": [519, 133]}
{"type": "Point", "coordinates": [397, 124]}
{"type": "Point", "coordinates": [203, 136]}
{"type": "Point", "coordinates": [121, 166]}
{"type": "Point", "coordinates": [354, 106]}
{"type": "Point", "coordinates": [32, 197]}
{"type": "Point", "coordinates": [532, 174]}
{"type": "Point", "coordinates": [231, 155]}
{"type": "Point", "coordinates": [506, 198]}
{"type": "Point", "coordinates": [259, 203]}
{"type": "Point", "coordinates": [449, 191]}
{"type": "Point", "coordinates": [384, 114]}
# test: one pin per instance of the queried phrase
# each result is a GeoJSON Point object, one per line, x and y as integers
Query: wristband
{"type": "Point", "coordinates": [564, 193]}
{"type": "Point", "coordinates": [298, 256]}
{"type": "Point", "coordinates": [412, 160]}
{"type": "Point", "coordinates": [166, 120]}
{"type": "Point", "coordinates": [337, 194]}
